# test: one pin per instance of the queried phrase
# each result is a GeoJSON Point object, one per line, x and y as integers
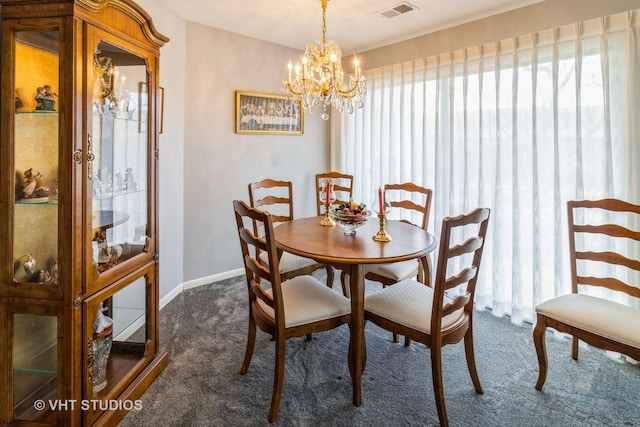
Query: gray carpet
{"type": "Point", "coordinates": [204, 331]}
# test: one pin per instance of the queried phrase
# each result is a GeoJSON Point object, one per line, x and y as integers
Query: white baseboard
{"type": "Point", "coordinates": [198, 282]}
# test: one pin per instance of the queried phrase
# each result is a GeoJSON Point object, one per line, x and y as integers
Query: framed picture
{"type": "Point", "coordinates": [264, 114]}
{"type": "Point", "coordinates": [161, 111]}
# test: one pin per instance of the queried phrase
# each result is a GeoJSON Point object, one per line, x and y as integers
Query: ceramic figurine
{"type": "Point", "coordinates": [30, 264]}
{"type": "Point", "coordinates": [43, 276]}
{"type": "Point", "coordinates": [54, 273]}
{"type": "Point", "coordinates": [45, 98]}
{"type": "Point", "coordinates": [29, 185]}
{"type": "Point", "coordinates": [130, 180]}
{"type": "Point", "coordinates": [121, 183]}
{"type": "Point", "coordinates": [39, 97]}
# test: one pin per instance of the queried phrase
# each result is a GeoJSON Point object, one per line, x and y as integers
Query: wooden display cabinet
{"type": "Point", "coordinates": [79, 301]}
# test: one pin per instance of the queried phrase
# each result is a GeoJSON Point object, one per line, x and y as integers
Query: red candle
{"type": "Point", "coordinates": [328, 190]}
{"type": "Point", "coordinates": [380, 201]}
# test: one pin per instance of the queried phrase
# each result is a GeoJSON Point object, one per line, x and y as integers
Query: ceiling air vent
{"type": "Point", "coordinates": [396, 10]}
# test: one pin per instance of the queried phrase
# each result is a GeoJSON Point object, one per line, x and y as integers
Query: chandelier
{"type": "Point", "coordinates": [320, 79]}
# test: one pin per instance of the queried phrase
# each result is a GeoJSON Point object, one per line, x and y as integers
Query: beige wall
{"type": "Point", "coordinates": [219, 164]}
{"type": "Point", "coordinates": [540, 16]}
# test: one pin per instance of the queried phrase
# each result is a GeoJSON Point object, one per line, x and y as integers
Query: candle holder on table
{"type": "Point", "coordinates": [382, 207]}
{"type": "Point", "coordinates": [327, 196]}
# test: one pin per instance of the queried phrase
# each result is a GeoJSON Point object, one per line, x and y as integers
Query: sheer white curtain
{"type": "Point", "coordinates": [519, 126]}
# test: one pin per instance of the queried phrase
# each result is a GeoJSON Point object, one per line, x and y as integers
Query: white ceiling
{"type": "Point", "coordinates": [355, 24]}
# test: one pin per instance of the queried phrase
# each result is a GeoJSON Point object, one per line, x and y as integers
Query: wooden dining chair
{"type": "Point", "coordinates": [414, 202]}
{"type": "Point", "coordinates": [426, 314]}
{"type": "Point", "coordinates": [342, 187]}
{"type": "Point", "coordinates": [604, 240]}
{"type": "Point", "coordinates": [277, 197]}
{"type": "Point", "coordinates": [342, 184]}
{"type": "Point", "coordinates": [292, 308]}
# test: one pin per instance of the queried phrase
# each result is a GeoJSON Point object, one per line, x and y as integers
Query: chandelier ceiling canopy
{"type": "Point", "coordinates": [320, 80]}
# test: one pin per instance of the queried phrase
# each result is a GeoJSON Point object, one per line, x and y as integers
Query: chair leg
{"type": "Point", "coordinates": [251, 341]}
{"type": "Point", "coordinates": [438, 387]}
{"type": "Point", "coordinates": [471, 360]}
{"type": "Point", "coordinates": [541, 350]}
{"type": "Point", "coordinates": [330, 276]}
{"type": "Point", "coordinates": [278, 379]}
{"type": "Point", "coordinates": [344, 280]}
{"type": "Point", "coordinates": [574, 348]}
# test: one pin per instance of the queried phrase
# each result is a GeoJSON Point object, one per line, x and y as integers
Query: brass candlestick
{"type": "Point", "coordinates": [327, 196]}
{"type": "Point", "coordinates": [327, 221]}
{"type": "Point", "coordinates": [381, 235]}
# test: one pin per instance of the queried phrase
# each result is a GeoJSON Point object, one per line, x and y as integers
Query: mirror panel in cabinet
{"type": "Point", "coordinates": [119, 146]}
{"type": "Point", "coordinates": [35, 358]}
{"type": "Point", "coordinates": [36, 158]}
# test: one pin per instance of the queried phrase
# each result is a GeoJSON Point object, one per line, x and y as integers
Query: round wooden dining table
{"type": "Point", "coordinates": [329, 245]}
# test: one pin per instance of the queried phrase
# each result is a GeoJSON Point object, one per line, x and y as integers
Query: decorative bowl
{"type": "Point", "coordinates": [349, 221]}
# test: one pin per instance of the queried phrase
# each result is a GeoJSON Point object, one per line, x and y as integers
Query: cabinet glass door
{"type": "Point", "coordinates": [118, 344]}
{"type": "Point", "coordinates": [35, 150]}
{"type": "Point", "coordinates": [118, 159]}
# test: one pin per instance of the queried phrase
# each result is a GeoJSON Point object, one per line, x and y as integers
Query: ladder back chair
{"type": "Point", "coordinates": [277, 197]}
{"type": "Point", "coordinates": [426, 314]}
{"type": "Point", "coordinates": [342, 187]}
{"type": "Point", "coordinates": [342, 184]}
{"type": "Point", "coordinates": [604, 249]}
{"type": "Point", "coordinates": [288, 309]}
{"type": "Point", "coordinates": [412, 201]}
{"type": "Point", "coordinates": [403, 197]}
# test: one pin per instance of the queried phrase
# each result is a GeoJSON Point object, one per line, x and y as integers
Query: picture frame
{"type": "Point", "coordinates": [262, 113]}
{"type": "Point", "coordinates": [161, 109]}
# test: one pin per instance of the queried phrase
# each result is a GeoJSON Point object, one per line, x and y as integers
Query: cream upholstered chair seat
{"type": "Point", "coordinates": [396, 271]}
{"type": "Point", "coordinates": [409, 303]}
{"type": "Point", "coordinates": [602, 317]}
{"type": "Point", "coordinates": [308, 300]}
{"type": "Point", "coordinates": [289, 262]}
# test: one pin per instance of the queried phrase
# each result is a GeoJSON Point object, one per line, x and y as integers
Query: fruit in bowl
{"type": "Point", "coordinates": [350, 216]}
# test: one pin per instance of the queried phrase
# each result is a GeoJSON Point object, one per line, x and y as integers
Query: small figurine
{"type": "Point", "coordinates": [54, 273]}
{"type": "Point", "coordinates": [30, 187]}
{"type": "Point", "coordinates": [121, 183]}
{"type": "Point", "coordinates": [114, 252]}
{"type": "Point", "coordinates": [130, 180]}
{"type": "Point", "coordinates": [18, 100]}
{"type": "Point", "coordinates": [39, 97]}
{"type": "Point", "coordinates": [29, 184]}
{"type": "Point", "coordinates": [43, 276]}
{"type": "Point", "coordinates": [48, 92]}
{"type": "Point", "coordinates": [55, 192]}
{"type": "Point", "coordinates": [30, 264]}
{"type": "Point", "coordinates": [45, 100]}
{"type": "Point", "coordinates": [101, 236]}
{"type": "Point", "coordinates": [104, 176]}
